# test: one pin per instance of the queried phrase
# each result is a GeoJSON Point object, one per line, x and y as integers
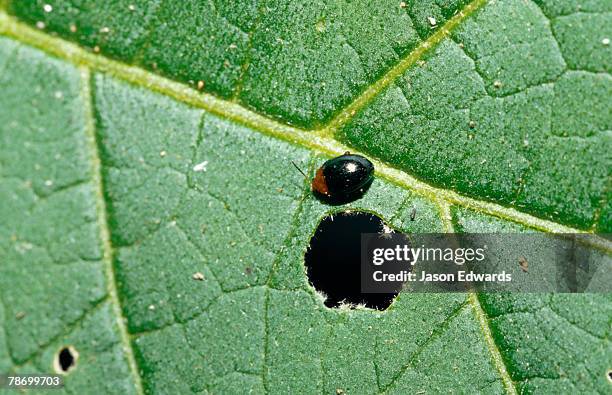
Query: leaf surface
{"type": "Point", "coordinates": [116, 193]}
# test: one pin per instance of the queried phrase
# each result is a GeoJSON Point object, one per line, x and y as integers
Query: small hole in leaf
{"type": "Point", "coordinates": [66, 359]}
{"type": "Point", "coordinates": [333, 260]}
{"type": "Point", "coordinates": [609, 375]}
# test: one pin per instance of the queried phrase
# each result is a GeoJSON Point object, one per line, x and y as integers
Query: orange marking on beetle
{"type": "Point", "coordinates": [319, 184]}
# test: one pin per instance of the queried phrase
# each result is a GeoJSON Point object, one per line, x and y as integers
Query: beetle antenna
{"type": "Point", "coordinates": [300, 170]}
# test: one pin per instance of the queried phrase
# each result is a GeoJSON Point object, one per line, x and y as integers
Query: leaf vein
{"type": "Point", "coordinates": [496, 357]}
{"type": "Point", "coordinates": [372, 91]}
{"type": "Point", "coordinates": [69, 329]}
{"type": "Point", "coordinates": [314, 140]}
{"type": "Point", "coordinates": [438, 331]}
{"type": "Point", "coordinates": [104, 232]}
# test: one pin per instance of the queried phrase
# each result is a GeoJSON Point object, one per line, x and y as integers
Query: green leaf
{"type": "Point", "coordinates": [366, 73]}
{"type": "Point", "coordinates": [507, 113]}
{"type": "Point", "coordinates": [55, 272]}
{"type": "Point", "coordinates": [298, 61]}
{"type": "Point", "coordinates": [118, 185]}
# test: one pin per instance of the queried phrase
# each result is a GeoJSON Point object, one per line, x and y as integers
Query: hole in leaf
{"type": "Point", "coordinates": [333, 260]}
{"type": "Point", "coordinates": [66, 359]}
{"type": "Point", "coordinates": [609, 375]}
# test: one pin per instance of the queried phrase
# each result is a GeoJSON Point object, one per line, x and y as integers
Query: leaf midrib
{"type": "Point", "coordinates": [317, 140]}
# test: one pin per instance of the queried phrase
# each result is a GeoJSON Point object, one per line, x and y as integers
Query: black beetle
{"type": "Point", "coordinates": [343, 179]}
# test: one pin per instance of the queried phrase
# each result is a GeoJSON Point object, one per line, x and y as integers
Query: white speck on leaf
{"type": "Point", "coordinates": [200, 166]}
{"type": "Point", "coordinates": [432, 21]}
{"type": "Point", "coordinates": [162, 153]}
{"type": "Point", "coordinates": [22, 248]}
{"type": "Point", "coordinates": [198, 276]}
{"type": "Point", "coordinates": [605, 41]}
{"type": "Point", "coordinates": [40, 25]}
{"type": "Point", "coordinates": [386, 229]}
{"type": "Point", "coordinates": [48, 183]}
{"type": "Point", "coordinates": [320, 26]}
{"type": "Point", "coordinates": [48, 7]}
{"type": "Point", "coordinates": [104, 30]}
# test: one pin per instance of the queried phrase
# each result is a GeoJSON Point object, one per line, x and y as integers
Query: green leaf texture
{"type": "Point", "coordinates": [119, 182]}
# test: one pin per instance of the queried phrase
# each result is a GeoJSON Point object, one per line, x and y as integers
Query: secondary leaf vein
{"type": "Point", "coordinates": [86, 84]}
